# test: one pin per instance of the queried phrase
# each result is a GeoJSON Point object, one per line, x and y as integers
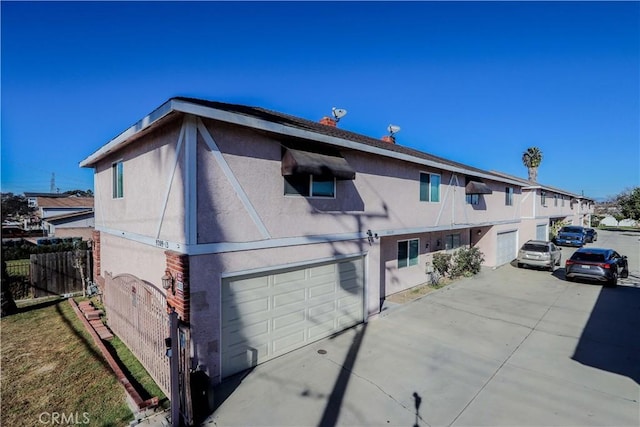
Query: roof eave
{"type": "Point", "coordinates": [187, 107]}
{"type": "Point", "coordinates": [116, 143]}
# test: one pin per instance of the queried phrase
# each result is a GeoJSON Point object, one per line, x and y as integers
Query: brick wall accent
{"type": "Point", "coordinates": [96, 260]}
{"type": "Point", "coordinates": [179, 298]}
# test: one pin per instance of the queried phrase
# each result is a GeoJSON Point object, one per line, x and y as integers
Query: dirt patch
{"type": "Point", "coordinates": [416, 292]}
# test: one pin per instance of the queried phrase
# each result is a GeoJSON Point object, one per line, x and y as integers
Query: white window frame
{"type": "Point", "coordinates": [508, 196]}
{"type": "Point", "coordinates": [408, 260]}
{"type": "Point", "coordinates": [117, 179]}
{"type": "Point", "coordinates": [472, 199]}
{"type": "Point", "coordinates": [430, 195]}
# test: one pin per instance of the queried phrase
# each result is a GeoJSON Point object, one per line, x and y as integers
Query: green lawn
{"type": "Point", "coordinates": [50, 364]}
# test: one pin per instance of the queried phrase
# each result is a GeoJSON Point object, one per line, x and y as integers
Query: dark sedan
{"type": "Point", "coordinates": [591, 235]}
{"type": "Point", "coordinates": [571, 235]}
{"type": "Point", "coordinates": [603, 265]}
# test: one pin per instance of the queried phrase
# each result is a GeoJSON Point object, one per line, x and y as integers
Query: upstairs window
{"type": "Point", "coordinates": [508, 196]}
{"type": "Point", "coordinates": [309, 186]}
{"type": "Point", "coordinates": [429, 187]}
{"type": "Point", "coordinates": [117, 174]}
{"type": "Point", "coordinates": [543, 198]}
{"type": "Point", "coordinates": [408, 252]}
{"type": "Point", "coordinates": [555, 200]}
{"type": "Point", "coordinates": [311, 174]}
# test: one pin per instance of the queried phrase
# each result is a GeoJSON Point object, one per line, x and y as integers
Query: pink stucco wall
{"type": "Point", "coordinates": [383, 198]}
{"type": "Point", "coordinates": [148, 167]}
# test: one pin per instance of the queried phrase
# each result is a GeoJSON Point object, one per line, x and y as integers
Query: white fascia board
{"type": "Point", "coordinates": [119, 140]}
{"type": "Point", "coordinates": [240, 119]}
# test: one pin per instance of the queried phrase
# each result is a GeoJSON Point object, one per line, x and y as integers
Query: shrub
{"type": "Point", "coordinates": [24, 250]}
{"type": "Point", "coordinates": [467, 262]}
{"type": "Point", "coordinates": [553, 230]}
{"type": "Point", "coordinates": [442, 263]}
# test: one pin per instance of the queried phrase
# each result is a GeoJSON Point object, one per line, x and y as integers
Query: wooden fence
{"type": "Point", "coordinates": [56, 273]}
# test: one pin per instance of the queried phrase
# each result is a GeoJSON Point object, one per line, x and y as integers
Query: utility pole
{"type": "Point", "coordinates": [52, 187]}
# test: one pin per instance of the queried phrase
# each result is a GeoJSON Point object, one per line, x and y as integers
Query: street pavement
{"type": "Point", "coordinates": [507, 347]}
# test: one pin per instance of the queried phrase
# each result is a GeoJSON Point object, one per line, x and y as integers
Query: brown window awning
{"type": "Point", "coordinates": [477, 187]}
{"type": "Point", "coordinates": [297, 162]}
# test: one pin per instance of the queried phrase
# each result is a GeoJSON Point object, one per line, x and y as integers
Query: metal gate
{"type": "Point", "coordinates": [137, 314]}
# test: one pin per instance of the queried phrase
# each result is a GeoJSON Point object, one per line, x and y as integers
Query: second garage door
{"type": "Point", "coordinates": [507, 247]}
{"type": "Point", "coordinates": [269, 314]}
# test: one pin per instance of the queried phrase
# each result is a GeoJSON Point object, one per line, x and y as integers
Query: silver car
{"type": "Point", "coordinates": [539, 253]}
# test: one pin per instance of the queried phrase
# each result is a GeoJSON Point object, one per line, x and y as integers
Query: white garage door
{"type": "Point", "coordinates": [269, 314]}
{"type": "Point", "coordinates": [541, 232]}
{"type": "Point", "coordinates": [507, 247]}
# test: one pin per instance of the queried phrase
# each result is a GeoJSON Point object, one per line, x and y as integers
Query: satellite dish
{"type": "Point", "coordinates": [338, 113]}
{"type": "Point", "coordinates": [393, 129]}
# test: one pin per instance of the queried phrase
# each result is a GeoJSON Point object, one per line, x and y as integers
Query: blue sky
{"type": "Point", "coordinates": [475, 82]}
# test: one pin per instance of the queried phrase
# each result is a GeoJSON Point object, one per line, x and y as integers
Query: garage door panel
{"type": "Point", "coordinates": [286, 310]}
{"type": "Point", "coordinates": [322, 270]}
{"type": "Point", "coordinates": [349, 301]}
{"type": "Point", "coordinates": [236, 287]}
{"type": "Point", "coordinates": [242, 357]}
{"type": "Point", "coordinates": [242, 333]}
{"type": "Point", "coordinates": [289, 342]}
{"type": "Point", "coordinates": [288, 277]}
{"type": "Point", "coordinates": [351, 285]}
{"type": "Point", "coordinates": [293, 297]}
{"type": "Point", "coordinates": [321, 289]}
{"type": "Point", "coordinates": [235, 312]}
{"type": "Point", "coordinates": [325, 307]}
{"type": "Point", "coordinates": [321, 329]}
{"type": "Point", "coordinates": [287, 320]}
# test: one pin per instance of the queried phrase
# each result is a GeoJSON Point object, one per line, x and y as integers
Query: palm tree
{"type": "Point", "coordinates": [532, 159]}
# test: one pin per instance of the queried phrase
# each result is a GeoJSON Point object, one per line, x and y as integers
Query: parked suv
{"type": "Point", "coordinates": [604, 265]}
{"type": "Point", "coordinates": [539, 253]}
{"type": "Point", "coordinates": [571, 235]}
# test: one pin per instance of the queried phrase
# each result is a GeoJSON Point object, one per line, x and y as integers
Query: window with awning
{"type": "Point", "coordinates": [298, 162]}
{"type": "Point", "coordinates": [477, 187]}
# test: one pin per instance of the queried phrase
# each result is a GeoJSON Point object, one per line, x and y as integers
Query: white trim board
{"type": "Point", "coordinates": [214, 248]}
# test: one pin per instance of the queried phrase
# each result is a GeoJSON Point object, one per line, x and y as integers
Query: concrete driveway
{"type": "Point", "coordinates": [508, 347]}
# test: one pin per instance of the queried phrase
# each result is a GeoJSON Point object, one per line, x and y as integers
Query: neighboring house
{"type": "Point", "coordinates": [32, 198]}
{"type": "Point", "coordinates": [78, 224]}
{"type": "Point", "coordinates": [609, 221]}
{"type": "Point", "coordinates": [628, 222]}
{"type": "Point", "coordinates": [51, 206]}
{"type": "Point", "coordinates": [272, 231]}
